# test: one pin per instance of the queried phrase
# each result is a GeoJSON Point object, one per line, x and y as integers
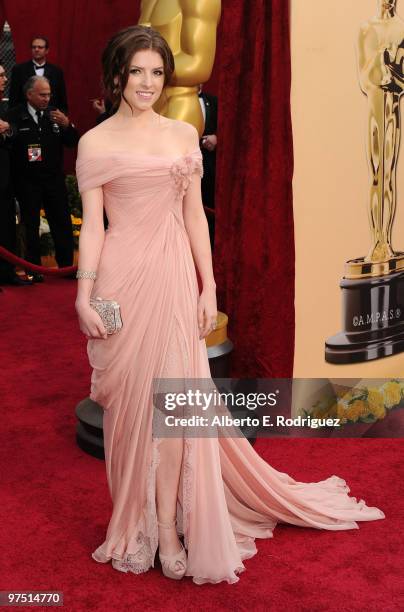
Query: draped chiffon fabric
{"type": "Point", "coordinates": [228, 495]}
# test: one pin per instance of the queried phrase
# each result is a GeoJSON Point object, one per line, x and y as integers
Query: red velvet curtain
{"type": "Point", "coordinates": [254, 252]}
{"type": "Point", "coordinates": [254, 244]}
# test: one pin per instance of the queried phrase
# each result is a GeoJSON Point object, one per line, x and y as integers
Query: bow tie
{"type": "Point", "coordinates": [200, 94]}
{"type": "Point", "coordinates": [39, 67]}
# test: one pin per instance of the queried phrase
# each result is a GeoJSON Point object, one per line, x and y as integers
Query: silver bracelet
{"type": "Point", "coordinates": [84, 274]}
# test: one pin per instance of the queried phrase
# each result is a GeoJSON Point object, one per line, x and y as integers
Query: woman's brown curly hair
{"type": "Point", "coordinates": [118, 53]}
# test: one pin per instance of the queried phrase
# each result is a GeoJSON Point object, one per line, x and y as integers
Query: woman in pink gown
{"type": "Point", "coordinates": [216, 492]}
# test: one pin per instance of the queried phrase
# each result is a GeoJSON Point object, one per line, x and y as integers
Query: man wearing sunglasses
{"type": "Point", "coordinates": [38, 66]}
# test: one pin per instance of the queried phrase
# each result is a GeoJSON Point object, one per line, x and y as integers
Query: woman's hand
{"type": "Point", "coordinates": [90, 322]}
{"type": "Point", "coordinates": [207, 311]}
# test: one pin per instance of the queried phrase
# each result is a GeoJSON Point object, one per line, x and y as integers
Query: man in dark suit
{"type": "Point", "coordinates": [38, 66]}
{"type": "Point", "coordinates": [37, 170]}
{"type": "Point", "coordinates": [208, 144]}
{"type": "Point", "coordinates": [7, 205]}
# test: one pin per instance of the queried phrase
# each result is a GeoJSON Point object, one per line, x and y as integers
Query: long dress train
{"type": "Point", "coordinates": [228, 495]}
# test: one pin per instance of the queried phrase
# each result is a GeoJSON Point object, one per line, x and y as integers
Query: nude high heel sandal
{"type": "Point", "coordinates": [173, 566]}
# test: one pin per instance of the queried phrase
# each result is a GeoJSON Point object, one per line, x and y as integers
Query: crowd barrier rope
{"type": "Point", "coordinates": [28, 265]}
{"type": "Point", "coordinates": [67, 271]}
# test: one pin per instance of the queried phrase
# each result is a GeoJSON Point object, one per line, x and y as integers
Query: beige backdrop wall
{"type": "Point", "coordinates": [330, 180]}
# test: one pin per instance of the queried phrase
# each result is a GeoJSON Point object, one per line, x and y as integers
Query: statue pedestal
{"type": "Point", "coordinates": [373, 319]}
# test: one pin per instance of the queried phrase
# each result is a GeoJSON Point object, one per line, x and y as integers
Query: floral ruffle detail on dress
{"type": "Point", "coordinates": [181, 172]}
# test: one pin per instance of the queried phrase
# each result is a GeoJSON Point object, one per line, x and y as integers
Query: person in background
{"type": "Point", "coordinates": [208, 144]}
{"type": "Point", "coordinates": [8, 274]}
{"type": "Point", "coordinates": [103, 108]}
{"type": "Point", "coordinates": [38, 66]}
{"type": "Point", "coordinates": [37, 170]}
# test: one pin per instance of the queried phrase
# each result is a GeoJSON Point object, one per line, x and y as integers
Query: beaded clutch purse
{"type": "Point", "coordinates": [110, 314]}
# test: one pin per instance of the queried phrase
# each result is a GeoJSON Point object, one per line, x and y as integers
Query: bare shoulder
{"type": "Point", "coordinates": [93, 139]}
{"type": "Point", "coordinates": [186, 133]}
{"type": "Point", "coordinates": [185, 127]}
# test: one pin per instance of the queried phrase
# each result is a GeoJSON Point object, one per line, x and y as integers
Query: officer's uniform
{"type": "Point", "coordinates": [39, 181]}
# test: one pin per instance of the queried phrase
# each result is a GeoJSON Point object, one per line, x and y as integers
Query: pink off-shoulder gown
{"type": "Point", "coordinates": [228, 495]}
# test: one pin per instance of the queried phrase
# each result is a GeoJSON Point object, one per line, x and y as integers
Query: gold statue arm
{"type": "Point", "coordinates": [373, 71]}
{"type": "Point", "coordinates": [198, 34]}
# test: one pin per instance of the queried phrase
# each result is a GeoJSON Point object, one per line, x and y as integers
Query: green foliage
{"type": "Point", "coordinates": [73, 196]}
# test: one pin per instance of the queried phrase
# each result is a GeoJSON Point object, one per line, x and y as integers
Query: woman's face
{"type": "Point", "coordinates": [146, 79]}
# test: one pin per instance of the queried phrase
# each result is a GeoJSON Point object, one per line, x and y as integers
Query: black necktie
{"type": "Point", "coordinates": [39, 116]}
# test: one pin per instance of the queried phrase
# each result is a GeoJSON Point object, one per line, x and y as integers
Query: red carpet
{"type": "Point", "coordinates": [55, 502]}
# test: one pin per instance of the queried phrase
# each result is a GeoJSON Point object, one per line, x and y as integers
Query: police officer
{"type": "Point", "coordinates": [37, 169]}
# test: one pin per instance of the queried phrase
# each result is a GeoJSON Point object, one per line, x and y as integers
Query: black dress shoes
{"type": "Point", "coordinates": [36, 277]}
{"type": "Point", "coordinates": [15, 280]}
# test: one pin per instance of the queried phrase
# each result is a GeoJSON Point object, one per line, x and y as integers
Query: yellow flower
{"type": "Point", "coordinates": [344, 394]}
{"type": "Point", "coordinates": [357, 409]}
{"type": "Point", "coordinates": [391, 393]}
{"type": "Point", "coordinates": [76, 232]}
{"type": "Point", "coordinates": [375, 399]}
{"type": "Point", "coordinates": [379, 412]}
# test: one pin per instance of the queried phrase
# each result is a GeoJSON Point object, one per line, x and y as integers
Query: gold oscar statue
{"type": "Point", "coordinates": [189, 27]}
{"type": "Point", "coordinates": [380, 57]}
{"type": "Point", "coordinates": [373, 286]}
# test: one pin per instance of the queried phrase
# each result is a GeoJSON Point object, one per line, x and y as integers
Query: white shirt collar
{"type": "Point", "coordinates": [203, 107]}
{"type": "Point", "coordinates": [32, 112]}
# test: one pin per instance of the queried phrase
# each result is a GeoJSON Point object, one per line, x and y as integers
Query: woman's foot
{"type": "Point", "coordinates": [172, 555]}
{"type": "Point", "coordinates": [169, 542]}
